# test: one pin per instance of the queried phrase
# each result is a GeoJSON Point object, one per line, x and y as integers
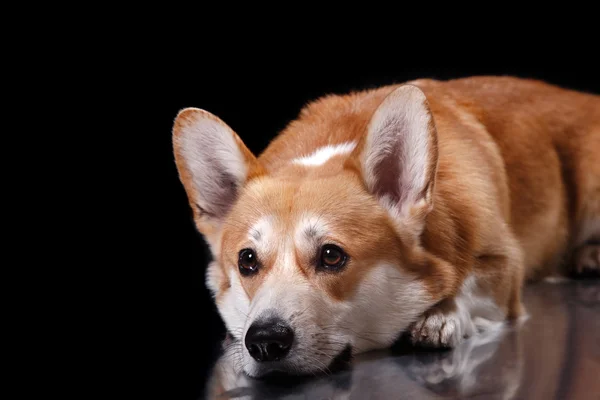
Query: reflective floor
{"type": "Point", "coordinates": [554, 354]}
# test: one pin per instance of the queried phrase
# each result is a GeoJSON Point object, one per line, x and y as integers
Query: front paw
{"type": "Point", "coordinates": [439, 328]}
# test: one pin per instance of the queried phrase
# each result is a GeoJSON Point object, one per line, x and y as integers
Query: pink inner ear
{"type": "Point", "coordinates": [387, 175]}
{"type": "Point", "coordinates": [391, 180]}
{"type": "Point", "coordinates": [229, 192]}
{"type": "Point", "coordinates": [400, 148]}
{"type": "Point", "coordinates": [393, 176]}
{"type": "Point", "coordinates": [220, 192]}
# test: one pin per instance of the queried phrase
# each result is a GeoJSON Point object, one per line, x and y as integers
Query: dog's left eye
{"type": "Point", "coordinates": [332, 257]}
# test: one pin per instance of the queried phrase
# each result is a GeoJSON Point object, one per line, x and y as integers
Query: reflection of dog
{"type": "Point", "coordinates": [461, 372]}
{"type": "Point", "coordinates": [554, 355]}
{"type": "Point", "coordinates": [472, 368]}
{"type": "Point", "coordinates": [419, 206]}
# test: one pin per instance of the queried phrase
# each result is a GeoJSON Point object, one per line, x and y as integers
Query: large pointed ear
{"type": "Point", "coordinates": [213, 164]}
{"type": "Point", "coordinates": [399, 155]}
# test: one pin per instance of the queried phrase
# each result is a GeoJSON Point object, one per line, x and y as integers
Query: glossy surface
{"type": "Point", "coordinates": [554, 354]}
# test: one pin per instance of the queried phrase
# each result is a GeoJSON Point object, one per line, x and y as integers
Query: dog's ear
{"type": "Point", "coordinates": [213, 164]}
{"type": "Point", "coordinates": [398, 157]}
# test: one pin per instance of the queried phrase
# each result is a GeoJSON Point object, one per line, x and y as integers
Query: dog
{"type": "Point", "coordinates": [416, 209]}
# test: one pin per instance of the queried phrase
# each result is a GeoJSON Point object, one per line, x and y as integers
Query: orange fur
{"type": "Point", "coordinates": [517, 176]}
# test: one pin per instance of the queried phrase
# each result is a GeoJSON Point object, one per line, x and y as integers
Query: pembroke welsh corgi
{"type": "Point", "coordinates": [418, 208]}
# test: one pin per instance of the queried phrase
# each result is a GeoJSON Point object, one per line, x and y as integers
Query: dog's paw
{"type": "Point", "coordinates": [587, 261]}
{"type": "Point", "coordinates": [439, 329]}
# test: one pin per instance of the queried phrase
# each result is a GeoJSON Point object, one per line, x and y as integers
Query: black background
{"type": "Point", "coordinates": [257, 99]}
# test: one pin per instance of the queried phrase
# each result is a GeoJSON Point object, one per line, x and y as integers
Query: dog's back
{"type": "Point", "coordinates": [549, 141]}
{"type": "Point", "coordinates": [531, 147]}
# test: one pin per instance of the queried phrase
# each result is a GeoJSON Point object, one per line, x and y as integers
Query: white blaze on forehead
{"type": "Point", "coordinates": [323, 154]}
{"type": "Point", "coordinates": [285, 290]}
{"type": "Point", "coordinates": [282, 289]}
{"type": "Point", "coordinates": [262, 233]}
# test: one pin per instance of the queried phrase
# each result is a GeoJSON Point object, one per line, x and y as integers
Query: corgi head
{"type": "Point", "coordinates": [323, 258]}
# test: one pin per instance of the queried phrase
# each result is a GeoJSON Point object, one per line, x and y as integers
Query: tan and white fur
{"type": "Point", "coordinates": [445, 196]}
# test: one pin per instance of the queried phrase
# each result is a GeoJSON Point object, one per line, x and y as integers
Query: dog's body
{"type": "Point", "coordinates": [440, 199]}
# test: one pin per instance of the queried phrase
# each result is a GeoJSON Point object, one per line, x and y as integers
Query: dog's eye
{"type": "Point", "coordinates": [332, 257]}
{"type": "Point", "coordinates": [247, 262]}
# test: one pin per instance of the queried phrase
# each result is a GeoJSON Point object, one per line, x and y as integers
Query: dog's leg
{"type": "Point", "coordinates": [454, 319]}
{"type": "Point", "coordinates": [488, 296]}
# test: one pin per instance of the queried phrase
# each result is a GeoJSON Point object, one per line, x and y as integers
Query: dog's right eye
{"type": "Point", "coordinates": [247, 262]}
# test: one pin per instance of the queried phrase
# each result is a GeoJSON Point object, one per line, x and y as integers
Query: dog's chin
{"type": "Point", "coordinates": [294, 371]}
{"type": "Point", "coordinates": [272, 370]}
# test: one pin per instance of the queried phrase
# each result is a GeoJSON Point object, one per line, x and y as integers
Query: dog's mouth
{"type": "Point", "coordinates": [342, 360]}
{"type": "Point", "coordinates": [282, 374]}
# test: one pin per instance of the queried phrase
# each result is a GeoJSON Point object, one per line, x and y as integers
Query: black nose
{"type": "Point", "coordinates": [269, 340]}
